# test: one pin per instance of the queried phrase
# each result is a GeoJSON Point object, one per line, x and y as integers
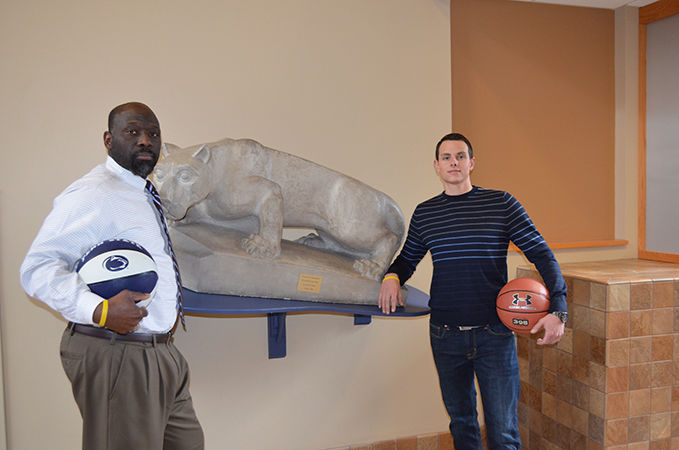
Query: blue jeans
{"type": "Point", "coordinates": [490, 353]}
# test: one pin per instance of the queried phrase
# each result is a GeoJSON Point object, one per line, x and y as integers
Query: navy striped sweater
{"type": "Point", "coordinates": [468, 236]}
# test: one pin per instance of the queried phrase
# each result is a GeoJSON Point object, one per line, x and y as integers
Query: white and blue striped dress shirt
{"type": "Point", "coordinates": [109, 202]}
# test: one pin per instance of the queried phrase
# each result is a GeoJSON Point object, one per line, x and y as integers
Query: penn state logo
{"type": "Point", "coordinates": [521, 303]}
{"type": "Point", "coordinates": [115, 263]}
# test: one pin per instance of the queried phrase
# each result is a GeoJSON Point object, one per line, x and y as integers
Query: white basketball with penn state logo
{"type": "Point", "coordinates": [117, 264]}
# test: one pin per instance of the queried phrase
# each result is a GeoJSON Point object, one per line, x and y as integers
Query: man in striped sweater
{"type": "Point", "coordinates": [467, 230]}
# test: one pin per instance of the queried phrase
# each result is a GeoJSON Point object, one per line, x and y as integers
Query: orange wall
{"type": "Point", "coordinates": [533, 89]}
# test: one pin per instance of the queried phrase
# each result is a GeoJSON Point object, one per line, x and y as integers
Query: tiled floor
{"type": "Point", "coordinates": [613, 380]}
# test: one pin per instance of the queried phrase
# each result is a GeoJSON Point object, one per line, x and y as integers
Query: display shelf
{"type": "Point", "coordinates": [198, 303]}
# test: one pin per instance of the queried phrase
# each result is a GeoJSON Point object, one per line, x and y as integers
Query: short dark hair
{"type": "Point", "coordinates": [120, 108]}
{"type": "Point", "coordinates": [455, 137]}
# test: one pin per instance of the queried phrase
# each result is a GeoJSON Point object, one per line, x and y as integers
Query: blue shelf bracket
{"type": "Point", "coordinates": [361, 319]}
{"type": "Point", "coordinates": [277, 337]}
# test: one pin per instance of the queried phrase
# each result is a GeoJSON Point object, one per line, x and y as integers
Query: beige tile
{"type": "Point", "coordinates": [581, 292]}
{"type": "Point", "coordinates": [640, 295]}
{"type": "Point", "coordinates": [618, 325]}
{"type": "Point", "coordinates": [406, 443]}
{"type": "Point", "coordinates": [566, 342]}
{"type": "Point", "coordinates": [534, 397]}
{"type": "Point", "coordinates": [638, 429]}
{"type": "Point", "coordinates": [523, 346]}
{"type": "Point", "coordinates": [597, 323]}
{"type": "Point", "coordinates": [580, 395]}
{"type": "Point", "coordinates": [535, 376]}
{"type": "Point", "coordinates": [640, 349]}
{"type": "Point", "coordinates": [638, 446]}
{"type": "Point", "coordinates": [579, 315]}
{"type": "Point", "coordinates": [580, 370]}
{"type": "Point", "coordinates": [661, 373]}
{"type": "Point", "coordinates": [578, 440]}
{"type": "Point", "coordinates": [428, 442]}
{"type": "Point", "coordinates": [618, 297]}
{"type": "Point", "coordinates": [617, 352]}
{"type": "Point", "coordinates": [663, 294]}
{"type": "Point", "coordinates": [549, 358]}
{"type": "Point", "coordinates": [597, 348]}
{"type": "Point", "coordinates": [524, 369]}
{"type": "Point", "coordinates": [597, 296]}
{"type": "Point", "coordinates": [549, 405]}
{"type": "Point", "coordinates": [385, 445]}
{"type": "Point", "coordinates": [661, 444]}
{"type": "Point", "coordinates": [663, 321]}
{"type": "Point", "coordinates": [662, 347]}
{"type": "Point", "coordinates": [660, 426]}
{"type": "Point", "coordinates": [640, 376]}
{"type": "Point", "coordinates": [524, 414]}
{"type": "Point", "coordinates": [564, 414]}
{"type": "Point", "coordinates": [564, 364]}
{"type": "Point", "coordinates": [580, 421]}
{"type": "Point", "coordinates": [596, 429]}
{"type": "Point", "coordinates": [639, 402]}
{"type": "Point", "coordinates": [641, 323]}
{"type": "Point", "coordinates": [617, 405]}
{"type": "Point", "coordinates": [617, 379]}
{"type": "Point", "coordinates": [597, 376]}
{"type": "Point", "coordinates": [549, 428]}
{"type": "Point", "coordinates": [581, 343]}
{"type": "Point", "coordinates": [592, 445]}
{"type": "Point", "coordinates": [674, 419]}
{"type": "Point", "coordinates": [675, 398]}
{"type": "Point", "coordinates": [597, 402]}
{"type": "Point", "coordinates": [549, 382]}
{"type": "Point", "coordinates": [661, 400]}
{"type": "Point", "coordinates": [446, 441]}
{"type": "Point", "coordinates": [562, 436]}
{"type": "Point", "coordinates": [616, 432]}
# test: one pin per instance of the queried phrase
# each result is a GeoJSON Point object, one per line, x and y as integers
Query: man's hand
{"type": "Point", "coordinates": [123, 314]}
{"type": "Point", "coordinates": [390, 295]}
{"type": "Point", "coordinates": [554, 329]}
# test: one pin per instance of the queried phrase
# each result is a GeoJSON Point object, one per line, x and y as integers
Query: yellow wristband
{"type": "Point", "coordinates": [391, 277]}
{"type": "Point", "coordinates": [104, 313]}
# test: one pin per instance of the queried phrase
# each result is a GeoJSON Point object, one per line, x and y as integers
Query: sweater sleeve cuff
{"type": "Point", "coordinates": [558, 304]}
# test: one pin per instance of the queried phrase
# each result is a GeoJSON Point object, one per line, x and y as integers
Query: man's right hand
{"type": "Point", "coordinates": [123, 313]}
{"type": "Point", "coordinates": [390, 295]}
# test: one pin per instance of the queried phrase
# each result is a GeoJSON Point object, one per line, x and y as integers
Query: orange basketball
{"type": "Point", "coordinates": [521, 303]}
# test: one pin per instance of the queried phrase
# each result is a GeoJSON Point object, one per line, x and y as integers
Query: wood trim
{"type": "Point", "coordinates": [648, 14]}
{"type": "Point", "coordinates": [658, 256]}
{"type": "Point", "coordinates": [642, 138]}
{"type": "Point", "coordinates": [589, 244]}
{"type": "Point", "coordinates": [658, 10]}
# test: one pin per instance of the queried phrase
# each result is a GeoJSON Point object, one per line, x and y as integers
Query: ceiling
{"type": "Point", "coordinates": [608, 4]}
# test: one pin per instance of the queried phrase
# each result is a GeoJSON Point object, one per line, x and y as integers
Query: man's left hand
{"type": "Point", "coordinates": [553, 327]}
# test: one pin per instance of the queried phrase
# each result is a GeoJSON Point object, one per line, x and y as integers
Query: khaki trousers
{"type": "Point", "coordinates": [131, 395]}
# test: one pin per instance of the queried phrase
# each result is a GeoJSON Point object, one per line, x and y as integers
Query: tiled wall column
{"type": "Point", "coordinates": [613, 380]}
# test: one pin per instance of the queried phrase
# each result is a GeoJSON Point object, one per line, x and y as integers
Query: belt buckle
{"type": "Point", "coordinates": [468, 328]}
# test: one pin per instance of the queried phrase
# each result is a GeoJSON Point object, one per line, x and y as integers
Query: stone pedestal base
{"type": "Point", "coordinates": [212, 261]}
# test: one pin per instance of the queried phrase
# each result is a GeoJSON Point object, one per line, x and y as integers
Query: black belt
{"type": "Point", "coordinates": [89, 330]}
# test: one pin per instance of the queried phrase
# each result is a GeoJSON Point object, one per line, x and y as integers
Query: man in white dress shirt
{"type": "Point", "coordinates": [129, 380]}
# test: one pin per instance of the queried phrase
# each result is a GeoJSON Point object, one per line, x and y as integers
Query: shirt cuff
{"type": "Point", "coordinates": [87, 303]}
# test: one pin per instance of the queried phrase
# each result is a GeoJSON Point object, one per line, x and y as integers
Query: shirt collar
{"type": "Point", "coordinates": [124, 174]}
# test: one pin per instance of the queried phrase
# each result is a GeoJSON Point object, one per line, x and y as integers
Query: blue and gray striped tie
{"type": "Point", "coordinates": [151, 189]}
